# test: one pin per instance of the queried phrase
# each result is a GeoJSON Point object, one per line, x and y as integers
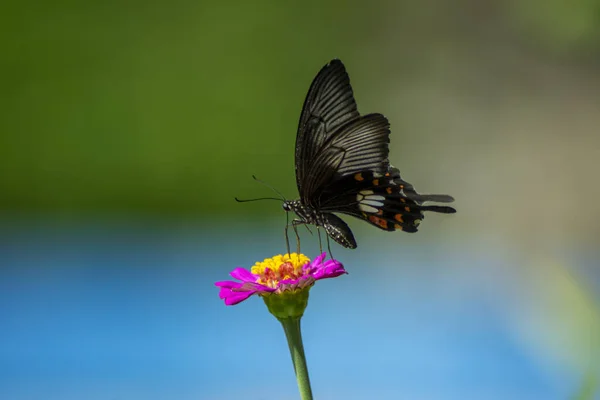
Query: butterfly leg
{"type": "Point", "coordinates": [295, 224]}
{"type": "Point", "coordinates": [329, 248]}
{"type": "Point", "coordinates": [287, 239]}
{"type": "Point", "coordinates": [320, 243]}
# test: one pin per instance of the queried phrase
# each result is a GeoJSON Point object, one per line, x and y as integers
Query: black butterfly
{"type": "Point", "coordinates": [342, 165]}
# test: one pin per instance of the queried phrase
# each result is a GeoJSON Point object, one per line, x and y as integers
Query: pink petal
{"type": "Point", "coordinates": [319, 259]}
{"type": "Point", "coordinates": [228, 284]}
{"type": "Point", "coordinates": [290, 281]}
{"type": "Point", "coordinates": [243, 275]}
{"type": "Point", "coordinates": [232, 297]}
{"type": "Point", "coordinates": [253, 287]}
{"type": "Point", "coordinates": [330, 269]}
{"type": "Point", "coordinates": [237, 298]}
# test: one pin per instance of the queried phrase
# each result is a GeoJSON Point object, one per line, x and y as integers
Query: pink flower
{"type": "Point", "coordinates": [278, 275]}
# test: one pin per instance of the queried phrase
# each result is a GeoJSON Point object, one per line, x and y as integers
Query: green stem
{"type": "Point", "coordinates": [291, 326]}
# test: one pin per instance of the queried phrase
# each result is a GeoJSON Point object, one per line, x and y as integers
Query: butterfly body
{"type": "Point", "coordinates": [334, 226]}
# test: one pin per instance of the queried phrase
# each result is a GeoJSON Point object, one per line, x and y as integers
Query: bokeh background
{"type": "Point", "coordinates": [127, 128]}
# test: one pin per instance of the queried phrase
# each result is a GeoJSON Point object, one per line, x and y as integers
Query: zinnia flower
{"type": "Point", "coordinates": [282, 275]}
{"type": "Point", "coordinates": [283, 282]}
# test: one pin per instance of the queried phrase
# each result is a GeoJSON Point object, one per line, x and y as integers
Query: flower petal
{"type": "Point", "coordinates": [254, 287]}
{"type": "Point", "coordinates": [330, 269]}
{"type": "Point", "coordinates": [228, 284]}
{"type": "Point", "coordinates": [236, 297]}
{"type": "Point", "coordinates": [238, 292]}
{"type": "Point", "coordinates": [318, 260]}
{"type": "Point", "coordinates": [243, 275]}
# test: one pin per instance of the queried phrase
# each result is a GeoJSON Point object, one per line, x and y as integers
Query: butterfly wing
{"type": "Point", "coordinates": [361, 144]}
{"type": "Point", "coordinates": [384, 200]}
{"type": "Point", "coordinates": [342, 163]}
{"type": "Point", "coordinates": [328, 106]}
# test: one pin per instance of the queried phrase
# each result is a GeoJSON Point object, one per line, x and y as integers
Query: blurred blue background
{"type": "Point", "coordinates": [126, 129]}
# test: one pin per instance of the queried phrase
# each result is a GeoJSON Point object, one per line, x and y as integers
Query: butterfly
{"type": "Point", "coordinates": [342, 166]}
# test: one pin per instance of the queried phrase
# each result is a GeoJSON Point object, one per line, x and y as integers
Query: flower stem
{"type": "Point", "coordinates": [291, 326]}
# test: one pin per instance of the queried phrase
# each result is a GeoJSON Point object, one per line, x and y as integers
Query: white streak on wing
{"type": "Point", "coordinates": [367, 208]}
{"type": "Point", "coordinates": [375, 197]}
{"type": "Point", "coordinates": [369, 202]}
{"type": "Point", "coordinates": [372, 203]}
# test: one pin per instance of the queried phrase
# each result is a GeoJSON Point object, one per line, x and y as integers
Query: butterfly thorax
{"type": "Point", "coordinates": [305, 213]}
{"type": "Point", "coordinates": [334, 226]}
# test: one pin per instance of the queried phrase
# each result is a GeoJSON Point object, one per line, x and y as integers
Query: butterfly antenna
{"type": "Point", "coordinates": [260, 198]}
{"type": "Point", "coordinates": [270, 187]}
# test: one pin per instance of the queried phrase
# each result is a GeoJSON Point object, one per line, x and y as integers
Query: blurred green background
{"type": "Point", "coordinates": [169, 107]}
{"type": "Point", "coordinates": [160, 112]}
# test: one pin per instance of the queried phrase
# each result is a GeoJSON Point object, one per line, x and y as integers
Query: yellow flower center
{"type": "Point", "coordinates": [278, 268]}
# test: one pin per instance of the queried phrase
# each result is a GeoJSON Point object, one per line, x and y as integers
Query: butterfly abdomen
{"type": "Point", "coordinates": [338, 230]}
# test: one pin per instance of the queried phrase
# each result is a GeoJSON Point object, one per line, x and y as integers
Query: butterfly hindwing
{"type": "Point", "coordinates": [384, 200]}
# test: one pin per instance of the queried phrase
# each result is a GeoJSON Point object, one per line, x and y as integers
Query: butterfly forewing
{"type": "Point", "coordinates": [365, 142]}
{"type": "Point", "coordinates": [329, 105]}
{"type": "Point", "coordinates": [360, 145]}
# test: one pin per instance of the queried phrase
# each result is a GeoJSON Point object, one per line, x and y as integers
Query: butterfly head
{"type": "Point", "coordinates": [287, 206]}
{"type": "Point", "coordinates": [295, 206]}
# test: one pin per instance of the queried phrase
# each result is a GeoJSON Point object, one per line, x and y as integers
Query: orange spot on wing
{"type": "Point", "coordinates": [359, 177]}
{"type": "Point", "coordinates": [398, 226]}
{"type": "Point", "coordinates": [389, 190]}
{"type": "Point", "coordinates": [398, 217]}
{"type": "Point", "coordinates": [407, 208]}
{"type": "Point", "coordinates": [375, 182]}
{"type": "Point", "coordinates": [379, 212]}
{"type": "Point", "coordinates": [402, 200]}
{"type": "Point", "coordinates": [378, 221]}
